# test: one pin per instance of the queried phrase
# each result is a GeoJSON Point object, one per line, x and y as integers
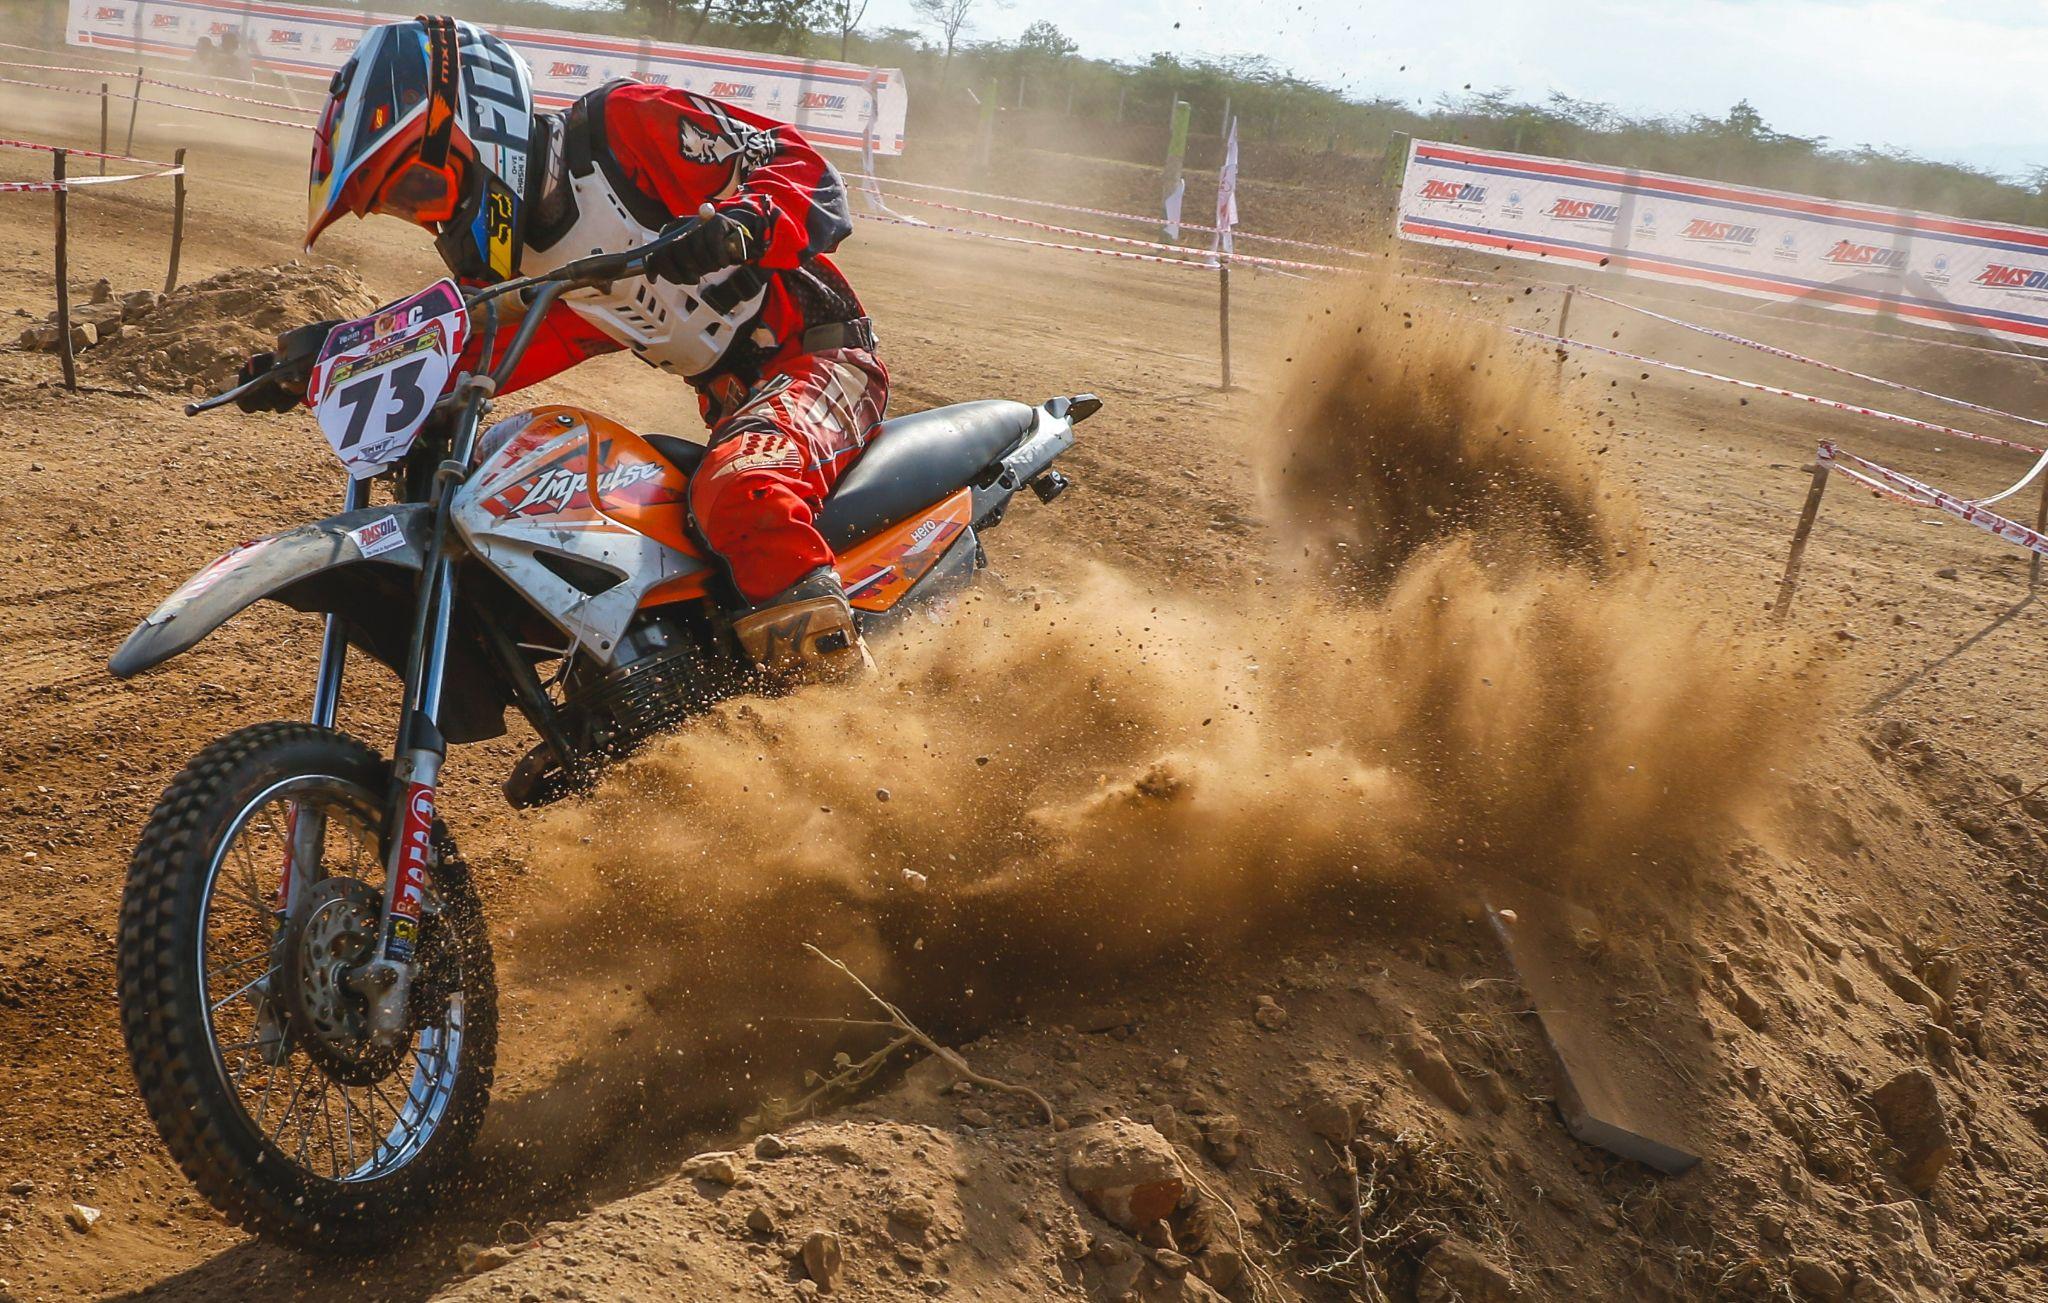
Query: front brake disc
{"type": "Point", "coordinates": [332, 934]}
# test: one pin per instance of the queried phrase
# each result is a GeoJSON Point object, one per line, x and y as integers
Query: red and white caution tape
{"type": "Point", "coordinates": [1835, 404]}
{"type": "Point", "coordinates": [1789, 355]}
{"type": "Point", "coordinates": [162, 104]}
{"type": "Point", "coordinates": [1905, 488]}
{"type": "Point", "coordinates": [1038, 244]}
{"type": "Point", "coordinates": [39, 147]}
{"type": "Point", "coordinates": [69, 183]}
{"type": "Point", "coordinates": [1127, 217]}
{"type": "Point", "coordinates": [1203, 256]}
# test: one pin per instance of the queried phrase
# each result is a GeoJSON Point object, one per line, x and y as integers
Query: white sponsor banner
{"type": "Point", "coordinates": [1948, 272]}
{"type": "Point", "coordinates": [829, 101]}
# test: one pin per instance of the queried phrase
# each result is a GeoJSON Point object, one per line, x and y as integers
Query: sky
{"type": "Point", "coordinates": [1957, 80]}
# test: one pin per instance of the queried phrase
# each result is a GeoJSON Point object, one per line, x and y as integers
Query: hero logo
{"type": "Point", "coordinates": [286, 37]}
{"type": "Point", "coordinates": [811, 99]}
{"type": "Point", "coordinates": [925, 531]}
{"type": "Point", "coordinates": [2001, 277]}
{"type": "Point", "coordinates": [346, 44]}
{"type": "Point", "coordinates": [573, 71]}
{"type": "Point", "coordinates": [1583, 210]}
{"type": "Point", "coordinates": [731, 90]}
{"type": "Point", "coordinates": [1457, 192]}
{"type": "Point", "coordinates": [556, 488]}
{"type": "Point", "coordinates": [163, 20]}
{"type": "Point", "coordinates": [1718, 232]}
{"type": "Point", "coordinates": [1849, 254]}
{"type": "Point", "coordinates": [109, 14]}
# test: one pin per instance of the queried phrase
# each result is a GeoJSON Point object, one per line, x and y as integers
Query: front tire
{"type": "Point", "coordinates": [222, 1046]}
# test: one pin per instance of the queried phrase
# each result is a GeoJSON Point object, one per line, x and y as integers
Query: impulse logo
{"type": "Point", "coordinates": [811, 99]}
{"type": "Point", "coordinates": [1718, 232]}
{"type": "Point", "coordinates": [577, 71]}
{"type": "Point", "coordinates": [1583, 210]}
{"type": "Point", "coordinates": [732, 90]}
{"type": "Point", "coordinates": [2001, 277]}
{"type": "Point", "coordinates": [1456, 192]}
{"type": "Point", "coordinates": [1849, 254]}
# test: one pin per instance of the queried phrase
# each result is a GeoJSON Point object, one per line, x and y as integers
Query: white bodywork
{"type": "Point", "coordinates": [511, 544]}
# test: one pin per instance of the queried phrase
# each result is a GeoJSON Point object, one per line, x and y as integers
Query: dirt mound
{"type": "Point", "coordinates": [196, 337]}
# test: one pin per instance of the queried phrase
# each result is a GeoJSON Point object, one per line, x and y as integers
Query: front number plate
{"type": "Point", "coordinates": [379, 377]}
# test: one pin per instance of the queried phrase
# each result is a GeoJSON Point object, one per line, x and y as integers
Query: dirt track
{"type": "Point", "coordinates": [1888, 831]}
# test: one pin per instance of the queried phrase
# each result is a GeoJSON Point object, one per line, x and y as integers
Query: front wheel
{"type": "Point", "coordinates": [250, 1048]}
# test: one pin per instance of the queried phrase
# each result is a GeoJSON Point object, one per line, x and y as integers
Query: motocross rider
{"type": "Point", "coordinates": [433, 121]}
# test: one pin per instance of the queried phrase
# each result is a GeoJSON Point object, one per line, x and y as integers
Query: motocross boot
{"type": "Point", "coordinates": [805, 634]}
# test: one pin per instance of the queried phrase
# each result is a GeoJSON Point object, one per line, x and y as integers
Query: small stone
{"type": "Point", "coordinates": [1172, 1262]}
{"type": "Point", "coordinates": [915, 880]}
{"type": "Point", "coordinates": [1332, 1119]}
{"type": "Point", "coordinates": [881, 794]}
{"type": "Point", "coordinates": [718, 1168]}
{"type": "Point", "coordinates": [21, 1189]}
{"type": "Point", "coordinates": [1909, 1109]}
{"type": "Point", "coordinates": [474, 1258]}
{"type": "Point", "coordinates": [761, 1221]}
{"type": "Point", "coordinates": [81, 1217]}
{"type": "Point", "coordinates": [1455, 1272]}
{"type": "Point", "coordinates": [977, 1117]}
{"type": "Point", "coordinates": [1946, 572]}
{"type": "Point", "coordinates": [822, 1258]}
{"type": "Point", "coordinates": [770, 1146]}
{"type": "Point", "coordinates": [1423, 1055]}
{"type": "Point", "coordinates": [1816, 1280]}
{"type": "Point", "coordinates": [1225, 1135]}
{"type": "Point", "coordinates": [1126, 1171]}
{"type": "Point", "coordinates": [1267, 1013]}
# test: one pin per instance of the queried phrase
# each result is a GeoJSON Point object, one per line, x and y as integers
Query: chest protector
{"type": "Point", "coordinates": [684, 329]}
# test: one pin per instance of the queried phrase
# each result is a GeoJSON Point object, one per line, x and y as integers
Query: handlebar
{"type": "Point", "coordinates": [597, 269]}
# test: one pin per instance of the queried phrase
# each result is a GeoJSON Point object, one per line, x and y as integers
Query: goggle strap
{"type": "Point", "coordinates": [443, 89]}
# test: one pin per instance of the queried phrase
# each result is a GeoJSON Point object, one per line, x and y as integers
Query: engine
{"type": "Point", "coordinates": [666, 669]}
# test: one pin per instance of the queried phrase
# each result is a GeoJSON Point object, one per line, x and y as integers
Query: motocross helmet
{"type": "Point", "coordinates": [430, 121]}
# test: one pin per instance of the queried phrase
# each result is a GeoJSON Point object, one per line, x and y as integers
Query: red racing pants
{"type": "Point", "coordinates": [776, 451]}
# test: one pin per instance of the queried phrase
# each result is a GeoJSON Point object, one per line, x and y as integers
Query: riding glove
{"type": "Point", "coordinates": [712, 244]}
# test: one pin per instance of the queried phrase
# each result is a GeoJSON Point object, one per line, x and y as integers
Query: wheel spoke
{"type": "Point", "coordinates": [266, 973]}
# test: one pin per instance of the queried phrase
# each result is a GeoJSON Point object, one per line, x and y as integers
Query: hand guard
{"type": "Point", "coordinates": [287, 369]}
{"type": "Point", "coordinates": [717, 241]}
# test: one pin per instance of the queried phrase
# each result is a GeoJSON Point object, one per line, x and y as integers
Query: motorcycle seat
{"type": "Point", "coordinates": [914, 461]}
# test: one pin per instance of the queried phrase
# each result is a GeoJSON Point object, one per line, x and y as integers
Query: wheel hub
{"type": "Point", "coordinates": [334, 933]}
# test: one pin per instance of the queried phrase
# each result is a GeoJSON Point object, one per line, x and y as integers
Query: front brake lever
{"type": "Point", "coordinates": [229, 396]}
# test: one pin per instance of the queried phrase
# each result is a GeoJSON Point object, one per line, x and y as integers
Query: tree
{"type": "Point", "coordinates": [849, 13]}
{"type": "Point", "coordinates": [1047, 41]}
{"type": "Point", "coordinates": [951, 17]}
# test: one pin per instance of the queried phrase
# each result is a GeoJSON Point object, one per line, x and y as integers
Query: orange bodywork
{"type": "Point", "coordinates": [878, 572]}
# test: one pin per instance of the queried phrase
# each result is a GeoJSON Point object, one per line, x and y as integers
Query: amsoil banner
{"type": "Point", "coordinates": [829, 101]}
{"type": "Point", "coordinates": [1948, 272]}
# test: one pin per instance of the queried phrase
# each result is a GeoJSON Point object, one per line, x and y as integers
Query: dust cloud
{"type": "Point", "coordinates": [1471, 672]}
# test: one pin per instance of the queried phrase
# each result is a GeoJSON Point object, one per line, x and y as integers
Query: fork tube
{"type": "Point", "coordinates": [334, 641]}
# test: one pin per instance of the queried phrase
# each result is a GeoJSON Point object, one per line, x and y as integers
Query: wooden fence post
{"type": "Point", "coordinates": [177, 219]}
{"type": "Point", "coordinates": [69, 362]}
{"type": "Point", "coordinates": [103, 127]}
{"type": "Point", "coordinates": [1223, 318]}
{"type": "Point", "coordinates": [1790, 582]}
{"type": "Point", "coordinates": [2040, 527]}
{"type": "Point", "coordinates": [134, 106]}
{"type": "Point", "coordinates": [1564, 318]}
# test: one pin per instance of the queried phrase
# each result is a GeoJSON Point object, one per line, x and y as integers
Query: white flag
{"type": "Point", "coordinates": [1226, 196]}
{"type": "Point", "coordinates": [1173, 198]}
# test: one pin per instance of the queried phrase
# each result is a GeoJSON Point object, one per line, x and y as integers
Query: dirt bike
{"type": "Point", "coordinates": [306, 981]}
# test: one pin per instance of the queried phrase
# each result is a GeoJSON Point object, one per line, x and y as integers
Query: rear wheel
{"type": "Point", "coordinates": [248, 1043]}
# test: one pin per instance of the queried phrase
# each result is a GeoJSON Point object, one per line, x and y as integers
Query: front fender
{"type": "Point", "coordinates": [390, 536]}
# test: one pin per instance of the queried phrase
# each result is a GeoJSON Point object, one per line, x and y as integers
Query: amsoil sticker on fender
{"type": "Point", "coordinates": [378, 537]}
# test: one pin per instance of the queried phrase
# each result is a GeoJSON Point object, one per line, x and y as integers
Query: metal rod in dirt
{"type": "Point", "coordinates": [103, 128]}
{"type": "Point", "coordinates": [63, 278]}
{"type": "Point", "coordinates": [1564, 317]}
{"type": "Point", "coordinates": [1790, 583]}
{"type": "Point", "coordinates": [1223, 317]}
{"type": "Point", "coordinates": [134, 106]}
{"type": "Point", "coordinates": [177, 219]}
